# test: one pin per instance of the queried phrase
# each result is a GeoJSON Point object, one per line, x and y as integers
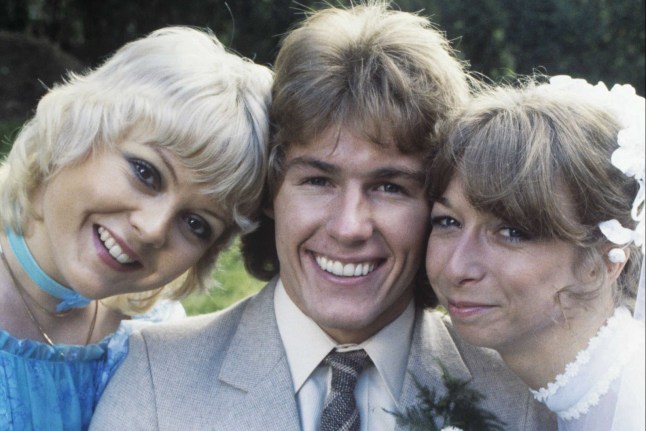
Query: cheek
{"type": "Point", "coordinates": [282, 213]}
{"type": "Point", "coordinates": [182, 254]}
{"type": "Point", "coordinates": [295, 222]}
{"type": "Point", "coordinates": [430, 258]}
{"type": "Point", "coordinates": [535, 293]}
{"type": "Point", "coordinates": [436, 254]}
{"type": "Point", "coordinates": [410, 230]}
{"type": "Point", "coordinates": [555, 276]}
{"type": "Point", "coordinates": [284, 231]}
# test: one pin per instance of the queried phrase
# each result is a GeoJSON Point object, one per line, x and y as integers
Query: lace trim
{"type": "Point", "coordinates": [573, 368]}
{"type": "Point", "coordinates": [602, 385]}
{"type": "Point", "coordinates": [592, 398]}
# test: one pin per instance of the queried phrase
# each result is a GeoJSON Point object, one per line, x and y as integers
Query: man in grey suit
{"type": "Point", "coordinates": [339, 337]}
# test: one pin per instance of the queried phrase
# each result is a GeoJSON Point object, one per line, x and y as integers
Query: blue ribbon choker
{"type": "Point", "coordinates": [70, 299]}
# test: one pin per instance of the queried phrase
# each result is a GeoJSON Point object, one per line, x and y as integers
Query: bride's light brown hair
{"type": "Point", "coordinates": [523, 151]}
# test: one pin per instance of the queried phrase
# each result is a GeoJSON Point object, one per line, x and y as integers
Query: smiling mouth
{"type": "Point", "coordinates": [113, 248]}
{"type": "Point", "coordinates": [467, 309]}
{"type": "Point", "coordinates": [341, 269]}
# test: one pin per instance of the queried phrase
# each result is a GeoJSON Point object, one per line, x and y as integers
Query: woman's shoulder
{"type": "Point", "coordinates": [37, 351]}
{"type": "Point", "coordinates": [214, 329]}
{"type": "Point", "coordinates": [33, 371]}
{"type": "Point", "coordinates": [163, 311]}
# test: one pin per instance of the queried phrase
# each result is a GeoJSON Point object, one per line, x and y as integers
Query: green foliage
{"type": "Point", "coordinates": [458, 407]}
{"type": "Point", "coordinates": [8, 131]}
{"type": "Point", "coordinates": [592, 39]}
{"type": "Point", "coordinates": [233, 284]}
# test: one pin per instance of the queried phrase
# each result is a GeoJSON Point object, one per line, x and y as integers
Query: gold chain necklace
{"type": "Point", "coordinates": [22, 292]}
{"type": "Point", "coordinates": [31, 298]}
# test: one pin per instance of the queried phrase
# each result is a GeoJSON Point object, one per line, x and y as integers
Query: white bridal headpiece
{"type": "Point", "coordinates": [624, 103]}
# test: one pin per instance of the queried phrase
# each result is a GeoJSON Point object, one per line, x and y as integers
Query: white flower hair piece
{"type": "Point", "coordinates": [628, 108]}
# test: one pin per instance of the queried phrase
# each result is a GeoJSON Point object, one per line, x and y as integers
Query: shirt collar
{"type": "Point", "coordinates": [388, 349]}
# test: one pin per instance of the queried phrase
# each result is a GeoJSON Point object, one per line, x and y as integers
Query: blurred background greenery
{"type": "Point", "coordinates": [40, 40]}
{"type": "Point", "coordinates": [232, 283]}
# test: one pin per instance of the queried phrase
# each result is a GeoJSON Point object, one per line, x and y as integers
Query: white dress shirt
{"type": "Point", "coordinates": [378, 388]}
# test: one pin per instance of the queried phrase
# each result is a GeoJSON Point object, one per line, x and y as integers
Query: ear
{"type": "Point", "coordinates": [36, 201]}
{"type": "Point", "coordinates": [269, 211]}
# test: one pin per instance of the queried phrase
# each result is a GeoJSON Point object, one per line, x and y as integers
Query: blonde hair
{"type": "Point", "coordinates": [207, 106]}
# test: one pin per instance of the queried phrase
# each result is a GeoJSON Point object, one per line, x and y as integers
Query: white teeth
{"type": "Point", "coordinates": [358, 270]}
{"type": "Point", "coordinates": [113, 248]}
{"type": "Point", "coordinates": [337, 268]}
{"type": "Point", "coordinates": [347, 270]}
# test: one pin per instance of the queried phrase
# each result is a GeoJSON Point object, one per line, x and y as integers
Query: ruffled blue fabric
{"type": "Point", "coordinates": [56, 388]}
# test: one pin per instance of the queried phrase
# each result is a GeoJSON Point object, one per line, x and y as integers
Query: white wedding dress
{"type": "Point", "coordinates": [603, 388]}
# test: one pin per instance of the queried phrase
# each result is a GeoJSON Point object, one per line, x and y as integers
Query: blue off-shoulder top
{"type": "Point", "coordinates": [56, 388]}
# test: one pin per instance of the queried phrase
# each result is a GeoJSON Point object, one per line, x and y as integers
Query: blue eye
{"type": "Point", "coordinates": [198, 226]}
{"type": "Point", "coordinates": [513, 234]}
{"type": "Point", "coordinates": [444, 222]}
{"type": "Point", "coordinates": [390, 188]}
{"type": "Point", "coordinates": [146, 173]}
{"type": "Point", "coordinates": [316, 181]}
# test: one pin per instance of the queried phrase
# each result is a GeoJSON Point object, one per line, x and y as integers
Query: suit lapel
{"type": "Point", "coordinates": [432, 344]}
{"type": "Point", "coordinates": [256, 364]}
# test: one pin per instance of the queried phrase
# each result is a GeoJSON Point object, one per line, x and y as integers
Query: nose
{"type": "Point", "coordinates": [463, 257]}
{"type": "Point", "coordinates": [351, 219]}
{"type": "Point", "coordinates": [152, 222]}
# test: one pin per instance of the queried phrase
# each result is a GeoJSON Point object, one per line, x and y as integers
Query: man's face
{"type": "Point", "coordinates": [351, 227]}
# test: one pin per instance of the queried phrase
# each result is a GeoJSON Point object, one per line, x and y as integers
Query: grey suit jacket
{"type": "Point", "coordinates": [228, 371]}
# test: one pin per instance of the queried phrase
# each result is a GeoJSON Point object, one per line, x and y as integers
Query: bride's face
{"type": "Point", "coordinates": [499, 285]}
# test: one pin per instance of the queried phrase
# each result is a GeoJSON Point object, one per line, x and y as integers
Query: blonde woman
{"type": "Point", "coordinates": [129, 178]}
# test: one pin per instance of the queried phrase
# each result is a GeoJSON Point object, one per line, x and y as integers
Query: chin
{"type": "Point", "coordinates": [345, 321]}
{"type": "Point", "coordinates": [473, 337]}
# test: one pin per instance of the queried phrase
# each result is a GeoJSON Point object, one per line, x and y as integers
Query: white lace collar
{"type": "Point", "coordinates": [590, 375]}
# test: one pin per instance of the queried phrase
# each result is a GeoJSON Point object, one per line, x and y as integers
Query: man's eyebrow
{"type": "Point", "coordinates": [310, 162]}
{"type": "Point", "coordinates": [399, 172]}
{"type": "Point", "coordinates": [384, 173]}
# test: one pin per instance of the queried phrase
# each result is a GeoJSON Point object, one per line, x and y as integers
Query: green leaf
{"type": "Point", "coordinates": [458, 407]}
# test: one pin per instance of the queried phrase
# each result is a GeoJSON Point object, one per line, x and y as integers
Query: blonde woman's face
{"type": "Point", "coordinates": [500, 287]}
{"type": "Point", "coordinates": [127, 219]}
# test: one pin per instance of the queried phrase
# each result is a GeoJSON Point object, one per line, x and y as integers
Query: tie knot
{"type": "Point", "coordinates": [346, 368]}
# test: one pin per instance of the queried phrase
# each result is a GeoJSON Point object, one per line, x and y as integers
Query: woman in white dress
{"type": "Point", "coordinates": [538, 238]}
